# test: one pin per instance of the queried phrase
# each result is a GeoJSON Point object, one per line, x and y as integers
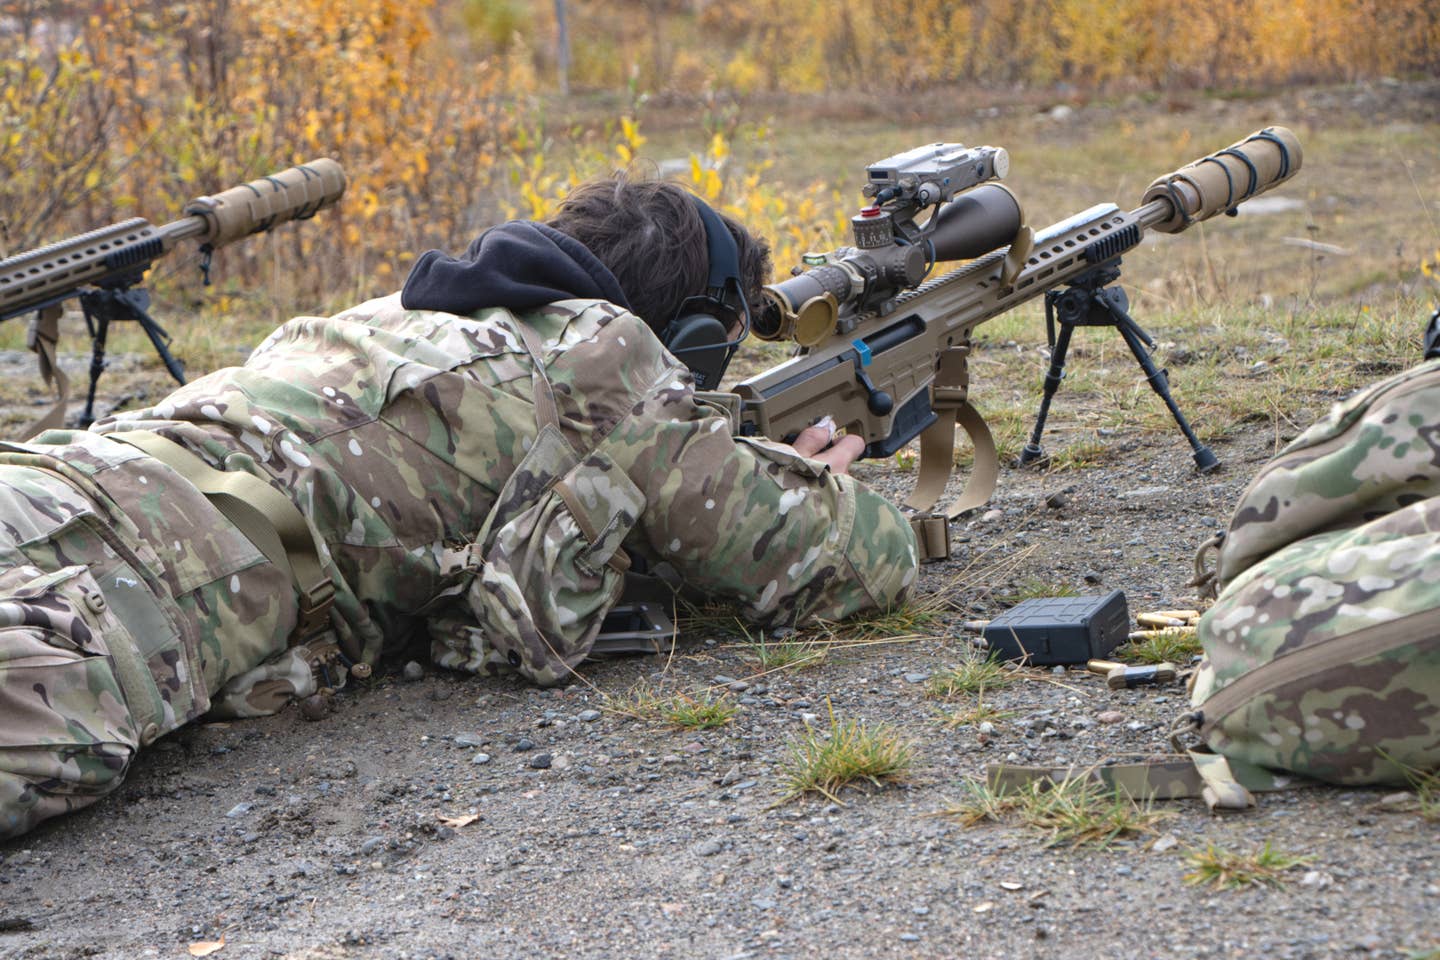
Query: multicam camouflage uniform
{"type": "Point", "coordinates": [454, 488]}
{"type": "Point", "coordinates": [1323, 648]}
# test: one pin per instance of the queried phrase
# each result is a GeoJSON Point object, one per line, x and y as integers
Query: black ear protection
{"type": "Point", "coordinates": [699, 333]}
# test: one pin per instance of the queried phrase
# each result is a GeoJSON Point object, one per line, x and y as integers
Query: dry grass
{"type": "Point", "coordinates": [1227, 870]}
{"type": "Point", "coordinates": [1075, 813]}
{"type": "Point", "coordinates": [1166, 646]}
{"type": "Point", "coordinates": [702, 710]}
{"type": "Point", "coordinates": [847, 753]}
{"type": "Point", "coordinates": [974, 675]}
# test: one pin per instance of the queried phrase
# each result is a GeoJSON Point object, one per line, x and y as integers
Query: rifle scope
{"type": "Point", "coordinates": [807, 307]}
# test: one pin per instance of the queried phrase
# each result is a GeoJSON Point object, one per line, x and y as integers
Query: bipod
{"type": "Point", "coordinates": [1088, 302]}
{"type": "Point", "coordinates": [120, 302]}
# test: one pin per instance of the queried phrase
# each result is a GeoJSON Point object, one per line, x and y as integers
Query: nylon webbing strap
{"type": "Point", "coordinates": [263, 514]}
{"type": "Point", "coordinates": [937, 443]}
{"type": "Point", "coordinates": [43, 335]}
{"type": "Point", "coordinates": [1210, 776]}
{"type": "Point", "coordinates": [932, 536]}
{"type": "Point", "coordinates": [545, 410]}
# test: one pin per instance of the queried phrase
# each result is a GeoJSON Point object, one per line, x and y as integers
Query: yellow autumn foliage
{"type": "Point", "coordinates": [439, 109]}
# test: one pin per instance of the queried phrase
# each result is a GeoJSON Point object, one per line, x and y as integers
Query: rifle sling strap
{"type": "Point", "coordinates": [263, 514]}
{"type": "Point", "coordinates": [949, 400]}
{"type": "Point", "coordinates": [937, 452]}
{"type": "Point", "coordinates": [42, 336]}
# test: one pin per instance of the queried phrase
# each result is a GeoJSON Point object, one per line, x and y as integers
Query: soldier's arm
{"type": "Point", "coordinates": [755, 522]}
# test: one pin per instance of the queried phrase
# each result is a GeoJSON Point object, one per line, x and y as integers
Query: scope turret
{"type": "Point", "coordinates": [806, 307]}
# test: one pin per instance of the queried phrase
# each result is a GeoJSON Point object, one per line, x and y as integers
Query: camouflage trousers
{"type": "Point", "coordinates": [126, 604]}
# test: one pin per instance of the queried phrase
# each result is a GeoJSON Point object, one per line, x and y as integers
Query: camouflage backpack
{"type": "Point", "coordinates": [1322, 650]}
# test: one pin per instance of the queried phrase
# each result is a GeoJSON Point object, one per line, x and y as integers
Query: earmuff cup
{"type": "Point", "coordinates": [703, 342]}
{"type": "Point", "coordinates": [700, 333]}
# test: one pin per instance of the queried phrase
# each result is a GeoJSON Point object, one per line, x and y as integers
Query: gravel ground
{"type": "Point", "coordinates": [435, 815]}
{"type": "Point", "coordinates": [439, 816]}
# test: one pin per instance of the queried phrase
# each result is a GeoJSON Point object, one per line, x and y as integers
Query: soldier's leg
{"type": "Point", "coordinates": [66, 732]}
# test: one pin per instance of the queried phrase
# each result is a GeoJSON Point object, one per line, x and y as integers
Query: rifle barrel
{"type": "Point", "coordinates": [49, 274]}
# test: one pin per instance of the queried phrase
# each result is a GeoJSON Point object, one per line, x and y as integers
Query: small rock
{"type": "Point", "coordinates": [239, 810]}
{"type": "Point", "coordinates": [370, 845]}
{"type": "Point", "coordinates": [413, 671]}
{"type": "Point", "coordinates": [468, 740]}
{"type": "Point", "coordinates": [910, 937]}
{"type": "Point", "coordinates": [480, 758]}
{"type": "Point", "coordinates": [985, 728]}
{"type": "Point", "coordinates": [1167, 842]}
{"type": "Point", "coordinates": [723, 681]}
{"type": "Point", "coordinates": [523, 744]}
{"type": "Point", "coordinates": [732, 776]}
{"type": "Point", "coordinates": [1144, 493]}
{"type": "Point", "coordinates": [588, 716]}
{"type": "Point", "coordinates": [990, 516]}
{"type": "Point", "coordinates": [541, 761]}
{"type": "Point", "coordinates": [1058, 501]}
{"type": "Point", "coordinates": [1110, 716]}
{"type": "Point", "coordinates": [709, 848]}
{"type": "Point", "coordinates": [737, 686]}
{"type": "Point", "coordinates": [1316, 879]}
{"type": "Point", "coordinates": [916, 677]}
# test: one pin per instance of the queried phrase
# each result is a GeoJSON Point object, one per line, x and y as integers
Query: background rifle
{"type": "Point", "coordinates": [104, 267]}
{"type": "Point", "coordinates": [883, 349]}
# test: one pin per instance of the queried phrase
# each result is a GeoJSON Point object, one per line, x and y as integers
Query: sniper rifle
{"type": "Point", "coordinates": [104, 267]}
{"type": "Point", "coordinates": [882, 347]}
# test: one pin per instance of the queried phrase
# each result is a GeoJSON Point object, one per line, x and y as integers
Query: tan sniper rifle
{"type": "Point", "coordinates": [104, 267]}
{"type": "Point", "coordinates": [883, 349]}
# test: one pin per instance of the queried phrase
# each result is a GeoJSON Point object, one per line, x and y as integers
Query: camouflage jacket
{"type": "Point", "coordinates": [457, 487]}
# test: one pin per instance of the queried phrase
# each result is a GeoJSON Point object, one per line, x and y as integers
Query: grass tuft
{"type": "Point", "coordinates": [975, 675]}
{"type": "Point", "coordinates": [1426, 787]}
{"type": "Point", "coordinates": [1226, 870]}
{"type": "Point", "coordinates": [982, 803]}
{"type": "Point", "coordinates": [1034, 588]}
{"type": "Point", "coordinates": [919, 616]}
{"type": "Point", "coordinates": [786, 654]}
{"type": "Point", "coordinates": [847, 753]}
{"type": "Point", "coordinates": [689, 712]}
{"type": "Point", "coordinates": [975, 715]}
{"type": "Point", "coordinates": [1075, 812]}
{"type": "Point", "coordinates": [1166, 646]}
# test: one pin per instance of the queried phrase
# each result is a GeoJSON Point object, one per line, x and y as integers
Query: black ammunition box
{"type": "Point", "coordinates": [1059, 630]}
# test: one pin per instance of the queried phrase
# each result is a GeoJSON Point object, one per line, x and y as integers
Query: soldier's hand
{"type": "Point", "coordinates": [818, 442]}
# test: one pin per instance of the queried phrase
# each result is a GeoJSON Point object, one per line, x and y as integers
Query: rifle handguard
{"type": "Point", "coordinates": [294, 194]}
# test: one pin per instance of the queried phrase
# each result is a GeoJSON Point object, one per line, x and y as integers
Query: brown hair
{"type": "Point", "coordinates": [650, 235]}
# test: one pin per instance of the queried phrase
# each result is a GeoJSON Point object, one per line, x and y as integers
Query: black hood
{"type": "Point", "coordinates": [520, 265]}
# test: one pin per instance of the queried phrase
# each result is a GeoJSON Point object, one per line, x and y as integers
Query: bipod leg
{"type": "Point", "coordinates": [1032, 451]}
{"type": "Point", "coordinates": [98, 320]}
{"type": "Point", "coordinates": [134, 303]}
{"type": "Point", "coordinates": [1205, 459]}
